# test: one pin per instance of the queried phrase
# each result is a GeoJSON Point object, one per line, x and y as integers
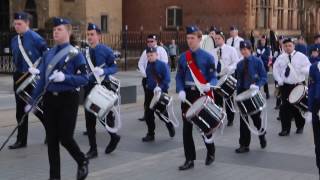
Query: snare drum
{"type": "Point", "coordinates": [100, 101]}
{"type": "Point", "coordinates": [250, 102]}
{"type": "Point", "coordinates": [227, 85]}
{"type": "Point", "coordinates": [206, 115]}
{"type": "Point", "coordinates": [160, 102]}
{"type": "Point", "coordinates": [299, 97]}
{"type": "Point", "coordinates": [27, 86]}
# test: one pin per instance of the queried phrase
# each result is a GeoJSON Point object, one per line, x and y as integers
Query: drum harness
{"type": "Point", "coordinates": [116, 110]}
{"type": "Point", "coordinates": [71, 53]}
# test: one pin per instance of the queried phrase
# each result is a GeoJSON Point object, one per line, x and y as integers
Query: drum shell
{"type": "Point", "coordinates": [252, 105]}
{"type": "Point", "coordinates": [162, 104]}
{"type": "Point", "coordinates": [302, 102]}
{"type": "Point", "coordinates": [228, 87]}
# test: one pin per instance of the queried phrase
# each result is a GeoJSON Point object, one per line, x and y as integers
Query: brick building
{"type": "Point", "coordinates": [287, 17]}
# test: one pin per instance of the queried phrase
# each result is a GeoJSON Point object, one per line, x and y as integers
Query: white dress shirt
{"type": "Point", "coordinates": [299, 68]}
{"type": "Point", "coordinates": [236, 44]}
{"type": "Point", "coordinates": [207, 44]}
{"type": "Point", "coordinates": [143, 61]}
{"type": "Point", "coordinates": [229, 59]}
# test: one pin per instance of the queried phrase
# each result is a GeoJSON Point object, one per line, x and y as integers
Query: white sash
{"type": "Point", "coordinates": [23, 52]}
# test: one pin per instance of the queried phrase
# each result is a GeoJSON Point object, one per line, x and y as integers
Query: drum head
{"type": "Point", "coordinates": [196, 106]}
{"type": "Point", "coordinates": [246, 94]}
{"type": "Point", "coordinates": [297, 93]}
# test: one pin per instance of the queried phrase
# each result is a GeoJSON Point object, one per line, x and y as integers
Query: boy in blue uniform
{"type": "Point", "coordinates": [187, 90]}
{"type": "Point", "coordinates": [301, 45]}
{"type": "Point", "coordinates": [34, 47]}
{"type": "Point", "coordinates": [158, 79]}
{"type": "Point", "coordinates": [314, 106]}
{"type": "Point", "coordinates": [250, 74]}
{"type": "Point", "coordinates": [61, 97]}
{"type": "Point", "coordinates": [314, 57]}
{"type": "Point", "coordinates": [99, 54]}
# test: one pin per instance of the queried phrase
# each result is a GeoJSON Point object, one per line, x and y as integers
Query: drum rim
{"type": "Point", "coordinates": [240, 97]}
{"type": "Point", "coordinates": [196, 111]}
{"type": "Point", "coordinates": [25, 83]}
{"type": "Point", "coordinates": [305, 89]}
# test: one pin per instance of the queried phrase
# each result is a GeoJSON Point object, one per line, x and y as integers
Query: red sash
{"type": "Point", "coordinates": [193, 67]}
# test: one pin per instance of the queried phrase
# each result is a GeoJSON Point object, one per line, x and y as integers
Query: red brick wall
{"type": "Point", "coordinates": [151, 14]}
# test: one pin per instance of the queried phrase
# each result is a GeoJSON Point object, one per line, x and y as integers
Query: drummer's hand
{"type": "Point", "coordinates": [253, 86]}
{"type": "Point", "coordinates": [280, 83]}
{"type": "Point", "coordinates": [33, 70]}
{"type": "Point", "coordinates": [206, 87]}
{"type": "Point", "coordinates": [156, 90]}
{"type": "Point", "coordinates": [27, 108]}
{"type": "Point", "coordinates": [308, 117]}
{"type": "Point", "coordinates": [182, 96]}
{"type": "Point", "coordinates": [98, 71]}
{"type": "Point", "coordinates": [57, 76]}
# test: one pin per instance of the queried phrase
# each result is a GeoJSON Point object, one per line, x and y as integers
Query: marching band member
{"type": "Point", "coordinates": [301, 45]}
{"type": "Point", "coordinates": [157, 81]}
{"type": "Point", "coordinates": [314, 106]}
{"type": "Point", "coordinates": [314, 57]}
{"type": "Point", "coordinates": [226, 61]}
{"type": "Point", "coordinates": [250, 74]}
{"type": "Point", "coordinates": [264, 52]}
{"type": "Point", "coordinates": [209, 43]}
{"type": "Point", "coordinates": [187, 89]}
{"type": "Point", "coordinates": [289, 70]}
{"type": "Point", "coordinates": [316, 43]}
{"type": "Point", "coordinates": [235, 40]}
{"type": "Point", "coordinates": [25, 55]}
{"type": "Point", "coordinates": [152, 41]}
{"type": "Point", "coordinates": [61, 98]}
{"type": "Point", "coordinates": [99, 54]}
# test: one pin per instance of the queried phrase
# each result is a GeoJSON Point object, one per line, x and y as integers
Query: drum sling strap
{"type": "Point", "coordinates": [197, 76]}
{"type": "Point", "coordinates": [154, 74]}
{"type": "Point", "coordinates": [88, 57]}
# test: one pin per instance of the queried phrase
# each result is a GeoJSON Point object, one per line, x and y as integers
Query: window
{"type": "Point", "coordinates": [174, 16]}
{"type": "Point", "coordinates": [31, 8]}
{"type": "Point", "coordinates": [290, 14]}
{"type": "Point", "coordinates": [280, 15]}
{"type": "Point", "coordinates": [263, 13]}
{"type": "Point", "coordinates": [300, 14]}
{"type": "Point", "coordinates": [104, 23]}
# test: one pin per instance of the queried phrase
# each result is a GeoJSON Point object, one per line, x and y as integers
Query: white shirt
{"type": "Point", "coordinates": [207, 43]}
{"type": "Point", "coordinates": [298, 71]}
{"type": "Point", "coordinates": [229, 59]}
{"type": "Point", "coordinates": [236, 44]}
{"type": "Point", "coordinates": [143, 61]}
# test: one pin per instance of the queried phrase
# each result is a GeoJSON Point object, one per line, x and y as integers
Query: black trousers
{"type": "Point", "coordinates": [149, 113]}
{"type": "Point", "coordinates": [91, 120]}
{"type": "Point", "coordinates": [288, 111]}
{"type": "Point", "coordinates": [316, 131]}
{"type": "Point", "coordinates": [219, 101]}
{"type": "Point", "coordinates": [188, 143]}
{"type": "Point", "coordinates": [173, 62]}
{"type": "Point", "coordinates": [266, 87]}
{"type": "Point", "coordinates": [245, 135]}
{"type": "Point", "coordinates": [144, 86]}
{"type": "Point", "coordinates": [20, 105]}
{"type": "Point", "coordinates": [61, 113]}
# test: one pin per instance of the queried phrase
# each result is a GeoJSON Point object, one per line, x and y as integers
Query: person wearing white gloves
{"type": "Point", "coordinates": [99, 54]}
{"type": "Point", "coordinates": [226, 62]}
{"type": "Point", "coordinates": [251, 74]}
{"type": "Point", "coordinates": [314, 107]}
{"type": "Point", "coordinates": [188, 90]}
{"type": "Point", "coordinates": [152, 40]}
{"type": "Point", "coordinates": [290, 69]}
{"type": "Point", "coordinates": [157, 81]}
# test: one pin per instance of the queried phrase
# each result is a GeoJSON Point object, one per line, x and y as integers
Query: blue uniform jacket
{"type": "Point", "coordinates": [34, 46]}
{"type": "Point", "coordinates": [205, 63]}
{"type": "Point", "coordinates": [256, 74]}
{"type": "Point", "coordinates": [264, 54]}
{"type": "Point", "coordinates": [314, 59]}
{"type": "Point", "coordinates": [314, 85]}
{"type": "Point", "coordinates": [161, 69]}
{"type": "Point", "coordinates": [103, 54]}
{"type": "Point", "coordinates": [72, 80]}
{"type": "Point", "coordinates": [312, 46]}
{"type": "Point", "coordinates": [301, 48]}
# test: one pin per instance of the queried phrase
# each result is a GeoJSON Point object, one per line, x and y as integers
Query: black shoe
{"type": "Point", "coordinates": [284, 133]}
{"type": "Point", "coordinates": [263, 142]}
{"type": "Point", "coordinates": [242, 149]}
{"type": "Point", "coordinates": [92, 153]}
{"type": "Point", "coordinates": [187, 165]}
{"type": "Point", "coordinates": [83, 170]}
{"type": "Point", "coordinates": [141, 119]}
{"type": "Point", "coordinates": [299, 131]}
{"type": "Point", "coordinates": [230, 123]}
{"type": "Point", "coordinates": [209, 159]}
{"type": "Point", "coordinates": [85, 133]}
{"type": "Point", "coordinates": [171, 129]}
{"type": "Point", "coordinates": [18, 145]}
{"type": "Point", "coordinates": [113, 144]}
{"type": "Point", "coordinates": [148, 138]}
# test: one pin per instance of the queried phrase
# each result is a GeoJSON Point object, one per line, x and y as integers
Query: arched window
{"type": "Point", "coordinates": [4, 16]}
{"type": "Point", "coordinates": [31, 8]}
{"type": "Point", "coordinates": [174, 16]}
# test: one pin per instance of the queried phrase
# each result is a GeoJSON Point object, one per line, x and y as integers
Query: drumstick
{"type": "Point", "coordinates": [22, 77]}
{"type": "Point", "coordinates": [188, 102]}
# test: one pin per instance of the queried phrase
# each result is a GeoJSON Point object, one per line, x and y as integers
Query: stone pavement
{"type": "Point", "coordinates": [285, 158]}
